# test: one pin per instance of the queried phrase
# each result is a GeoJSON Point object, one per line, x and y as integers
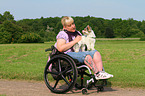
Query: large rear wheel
{"type": "Point", "coordinates": [60, 73]}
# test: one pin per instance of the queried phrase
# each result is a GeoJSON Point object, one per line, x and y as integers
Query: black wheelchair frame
{"type": "Point", "coordinates": [62, 71]}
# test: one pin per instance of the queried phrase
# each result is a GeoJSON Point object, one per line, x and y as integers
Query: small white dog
{"type": "Point", "coordinates": [88, 40]}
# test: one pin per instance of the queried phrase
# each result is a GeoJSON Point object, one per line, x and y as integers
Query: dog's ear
{"type": "Point", "coordinates": [89, 28]}
{"type": "Point", "coordinates": [85, 29]}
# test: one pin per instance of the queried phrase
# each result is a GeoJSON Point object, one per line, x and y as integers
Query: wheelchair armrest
{"type": "Point", "coordinates": [50, 49]}
{"type": "Point", "coordinates": [53, 50]}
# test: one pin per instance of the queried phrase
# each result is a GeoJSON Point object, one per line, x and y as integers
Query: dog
{"type": "Point", "coordinates": [87, 41]}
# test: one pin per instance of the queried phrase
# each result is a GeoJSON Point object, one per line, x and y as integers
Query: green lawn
{"type": "Point", "coordinates": [124, 59]}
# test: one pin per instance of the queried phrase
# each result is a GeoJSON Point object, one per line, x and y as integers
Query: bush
{"type": "Point", "coordinates": [30, 38]}
{"type": "Point", "coordinates": [142, 38]}
{"type": "Point", "coordinates": [136, 33]}
{"type": "Point", "coordinates": [5, 37]}
{"type": "Point", "coordinates": [51, 36]}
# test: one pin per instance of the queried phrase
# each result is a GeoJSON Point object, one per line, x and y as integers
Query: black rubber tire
{"type": "Point", "coordinates": [101, 88]}
{"type": "Point", "coordinates": [63, 78]}
{"type": "Point", "coordinates": [84, 91]}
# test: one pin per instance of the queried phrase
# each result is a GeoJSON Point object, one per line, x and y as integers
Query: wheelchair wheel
{"type": "Point", "coordinates": [60, 73]}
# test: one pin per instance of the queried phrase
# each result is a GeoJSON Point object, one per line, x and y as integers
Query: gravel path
{"type": "Point", "coordinates": [33, 88]}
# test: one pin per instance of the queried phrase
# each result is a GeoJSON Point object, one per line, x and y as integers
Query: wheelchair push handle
{"type": "Point", "coordinates": [49, 49]}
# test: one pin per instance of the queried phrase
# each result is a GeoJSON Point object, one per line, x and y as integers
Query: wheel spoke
{"type": "Point", "coordinates": [65, 80]}
{"type": "Point", "coordinates": [59, 65]}
{"type": "Point", "coordinates": [51, 72]}
{"type": "Point", "coordinates": [67, 70]}
{"type": "Point", "coordinates": [56, 83]}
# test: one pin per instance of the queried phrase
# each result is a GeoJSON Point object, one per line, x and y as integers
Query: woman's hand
{"type": "Point", "coordinates": [63, 46]}
{"type": "Point", "coordinates": [78, 38]}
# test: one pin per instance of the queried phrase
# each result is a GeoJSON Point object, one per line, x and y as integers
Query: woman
{"type": "Point", "coordinates": [69, 37]}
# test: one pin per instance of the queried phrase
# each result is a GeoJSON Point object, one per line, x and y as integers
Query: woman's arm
{"type": "Point", "coordinates": [63, 46]}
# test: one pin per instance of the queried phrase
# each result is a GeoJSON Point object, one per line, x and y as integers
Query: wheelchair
{"type": "Point", "coordinates": [63, 73]}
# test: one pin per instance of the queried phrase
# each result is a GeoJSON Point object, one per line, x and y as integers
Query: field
{"type": "Point", "coordinates": [125, 59]}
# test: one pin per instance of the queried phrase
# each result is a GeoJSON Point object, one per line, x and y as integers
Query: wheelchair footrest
{"type": "Point", "coordinates": [91, 80]}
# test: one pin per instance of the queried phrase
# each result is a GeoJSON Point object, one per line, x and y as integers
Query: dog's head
{"type": "Point", "coordinates": [87, 30]}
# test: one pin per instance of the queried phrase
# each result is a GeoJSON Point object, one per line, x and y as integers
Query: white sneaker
{"type": "Point", "coordinates": [103, 75]}
{"type": "Point", "coordinates": [108, 74]}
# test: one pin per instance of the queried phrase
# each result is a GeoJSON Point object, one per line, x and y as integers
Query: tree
{"type": "Point", "coordinates": [30, 38]}
{"type": "Point", "coordinates": [116, 26]}
{"type": "Point", "coordinates": [51, 36]}
{"type": "Point", "coordinates": [109, 33]}
{"type": "Point", "coordinates": [142, 38]}
{"type": "Point", "coordinates": [125, 27]}
{"type": "Point", "coordinates": [8, 16]}
{"type": "Point", "coordinates": [5, 37]}
{"type": "Point", "coordinates": [58, 27]}
{"type": "Point", "coordinates": [11, 28]}
{"type": "Point", "coordinates": [136, 33]}
{"type": "Point", "coordinates": [1, 18]}
{"type": "Point", "coordinates": [26, 24]}
{"type": "Point", "coordinates": [142, 27]}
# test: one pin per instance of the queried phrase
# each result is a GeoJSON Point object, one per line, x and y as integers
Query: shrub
{"type": "Point", "coordinates": [142, 38]}
{"type": "Point", "coordinates": [5, 37]}
{"type": "Point", "coordinates": [51, 36]}
{"type": "Point", "coordinates": [47, 35]}
{"type": "Point", "coordinates": [136, 33]}
{"type": "Point", "coordinates": [30, 38]}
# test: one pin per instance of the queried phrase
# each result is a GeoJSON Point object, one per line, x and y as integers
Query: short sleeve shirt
{"type": "Point", "coordinates": [64, 35]}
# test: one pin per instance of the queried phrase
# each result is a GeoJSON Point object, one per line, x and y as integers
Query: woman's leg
{"type": "Point", "coordinates": [93, 60]}
{"type": "Point", "coordinates": [96, 65]}
{"type": "Point", "coordinates": [98, 61]}
{"type": "Point", "coordinates": [89, 62]}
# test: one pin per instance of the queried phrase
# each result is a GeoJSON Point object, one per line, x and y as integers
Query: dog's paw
{"type": "Point", "coordinates": [76, 51]}
{"type": "Point", "coordinates": [93, 49]}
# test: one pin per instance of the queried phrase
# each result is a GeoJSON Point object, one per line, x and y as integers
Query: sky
{"type": "Point", "coordinates": [107, 9]}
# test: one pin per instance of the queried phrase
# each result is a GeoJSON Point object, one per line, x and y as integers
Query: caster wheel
{"type": "Point", "coordinates": [100, 88]}
{"type": "Point", "coordinates": [84, 91]}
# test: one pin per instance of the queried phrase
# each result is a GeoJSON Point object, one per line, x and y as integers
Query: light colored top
{"type": "Point", "coordinates": [64, 35]}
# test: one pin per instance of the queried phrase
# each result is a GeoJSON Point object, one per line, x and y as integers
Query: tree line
{"type": "Point", "coordinates": [45, 29]}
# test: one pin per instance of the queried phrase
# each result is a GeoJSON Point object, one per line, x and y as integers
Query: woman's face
{"type": "Point", "coordinates": [71, 27]}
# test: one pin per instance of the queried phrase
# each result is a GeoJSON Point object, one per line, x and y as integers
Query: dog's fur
{"type": "Point", "coordinates": [87, 40]}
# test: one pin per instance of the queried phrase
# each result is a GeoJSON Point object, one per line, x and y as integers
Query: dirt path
{"type": "Point", "coordinates": [33, 88]}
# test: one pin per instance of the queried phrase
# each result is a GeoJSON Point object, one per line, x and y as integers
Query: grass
{"type": "Point", "coordinates": [2, 95]}
{"type": "Point", "coordinates": [23, 61]}
{"type": "Point", "coordinates": [125, 60]}
{"type": "Point", "coordinates": [122, 58]}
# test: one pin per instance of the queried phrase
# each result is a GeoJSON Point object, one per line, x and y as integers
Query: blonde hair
{"type": "Point", "coordinates": [66, 20]}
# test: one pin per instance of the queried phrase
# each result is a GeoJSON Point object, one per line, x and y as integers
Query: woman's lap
{"type": "Point", "coordinates": [80, 56]}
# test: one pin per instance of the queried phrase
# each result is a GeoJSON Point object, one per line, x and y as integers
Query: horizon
{"type": "Point", "coordinates": [33, 9]}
